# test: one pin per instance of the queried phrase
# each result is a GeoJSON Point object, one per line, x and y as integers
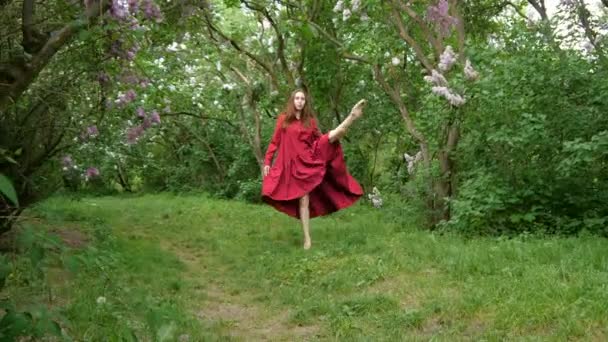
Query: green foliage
{"type": "Point", "coordinates": [532, 140]}
{"type": "Point", "coordinates": [533, 151]}
{"type": "Point", "coordinates": [85, 292]}
{"type": "Point", "coordinates": [36, 321]}
{"type": "Point", "coordinates": [7, 189]}
{"type": "Point", "coordinates": [202, 267]}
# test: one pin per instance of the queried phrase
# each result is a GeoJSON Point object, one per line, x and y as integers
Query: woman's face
{"type": "Point", "coordinates": [299, 100]}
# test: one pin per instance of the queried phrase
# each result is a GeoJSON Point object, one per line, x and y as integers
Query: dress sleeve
{"type": "Point", "coordinates": [315, 129]}
{"type": "Point", "coordinates": [275, 141]}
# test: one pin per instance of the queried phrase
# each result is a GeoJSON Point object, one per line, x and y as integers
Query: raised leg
{"type": "Point", "coordinates": [305, 218]}
{"type": "Point", "coordinates": [339, 132]}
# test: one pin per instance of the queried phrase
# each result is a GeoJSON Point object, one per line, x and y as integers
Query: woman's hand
{"type": "Point", "coordinates": [266, 170]}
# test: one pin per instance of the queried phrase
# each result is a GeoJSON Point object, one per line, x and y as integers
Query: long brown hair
{"type": "Point", "coordinates": [306, 115]}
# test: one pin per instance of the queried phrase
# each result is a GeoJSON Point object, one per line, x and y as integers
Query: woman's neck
{"type": "Point", "coordinates": [298, 114]}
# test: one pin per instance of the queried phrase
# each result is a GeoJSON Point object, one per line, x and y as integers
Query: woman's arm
{"type": "Point", "coordinates": [315, 129]}
{"type": "Point", "coordinates": [274, 142]}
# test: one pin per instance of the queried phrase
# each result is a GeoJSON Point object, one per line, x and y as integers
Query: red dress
{"type": "Point", "coordinates": [307, 163]}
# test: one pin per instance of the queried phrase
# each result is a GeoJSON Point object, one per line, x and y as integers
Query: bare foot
{"type": "Point", "coordinates": [357, 110]}
{"type": "Point", "coordinates": [307, 244]}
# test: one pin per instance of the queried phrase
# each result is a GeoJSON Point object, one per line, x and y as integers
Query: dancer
{"type": "Point", "coordinates": [309, 176]}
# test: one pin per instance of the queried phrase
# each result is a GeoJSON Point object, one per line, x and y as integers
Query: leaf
{"type": "Point", "coordinates": [10, 160]}
{"type": "Point", "coordinates": [7, 189]}
{"type": "Point", "coordinates": [84, 35]}
{"type": "Point", "coordinates": [14, 324]}
{"type": "Point", "coordinates": [36, 255]}
{"type": "Point", "coordinates": [5, 270]}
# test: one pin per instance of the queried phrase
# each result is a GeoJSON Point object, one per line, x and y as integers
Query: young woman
{"type": "Point", "coordinates": [309, 176]}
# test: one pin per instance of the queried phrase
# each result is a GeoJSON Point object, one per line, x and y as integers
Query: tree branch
{"type": "Point", "coordinates": [280, 39]}
{"type": "Point", "coordinates": [584, 15]}
{"type": "Point", "coordinates": [337, 43]}
{"type": "Point", "coordinates": [201, 116]}
{"type": "Point", "coordinates": [396, 98]}
{"type": "Point", "coordinates": [459, 29]}
{"type": "Point", "coordinates": [539, 6]}
{"type": "Point", "coordinates": [518, 10]}
{"type": "Point", "coordinates": [11, 92]}
{"type": "Point", "coordinates": [405, 36]}
{"type": "Point", "coordinates": [258, 60]}
{"type": "Point", "coordinates": [437, 45]}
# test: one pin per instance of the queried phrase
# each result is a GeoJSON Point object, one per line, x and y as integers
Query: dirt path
{"type": "Point", "coordinates": [238, 315]}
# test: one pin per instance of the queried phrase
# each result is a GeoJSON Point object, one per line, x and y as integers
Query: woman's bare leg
{"type": "Point", "coordinates": [305, 218]}
{"type": "Point", "coordinates": [339, 132]}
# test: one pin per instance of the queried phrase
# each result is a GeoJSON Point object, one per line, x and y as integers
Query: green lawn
{"type": "Point", "coordinates": [194, 268]}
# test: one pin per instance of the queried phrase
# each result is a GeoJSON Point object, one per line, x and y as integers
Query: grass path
{"type": "Point", "coordinates": [194, 268]}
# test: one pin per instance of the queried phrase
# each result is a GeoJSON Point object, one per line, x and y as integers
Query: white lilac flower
{"type": "Point", "coordinates": [395, 61]}
{"type": "Point", "coordinates": [440, 90]}
{"type": "Point", "coordinates": [375, 198]}
{"type": "Point", "coordinates": [355, 4]}
{"type": "Point", "coordinates": [447, 59]}
{"type": "Point", "coordinates": [412, 161]}
{"type": "Point", "coordinates": [469, 72]}
{"type": "Point", "coordinates": [346, 14]}
{"type": "Point", "coordinates": [173, 47]}
{"type": "Point", "coordinates": [364, 16]}
{"type": "Point", "coordinates": [436, 78]}
{"type": "Point", "coordinates": [339, 6]}
{"type": "Point", "coordinates": [454, 99]}
{"type": "Point", "coordinates": [101, 300]}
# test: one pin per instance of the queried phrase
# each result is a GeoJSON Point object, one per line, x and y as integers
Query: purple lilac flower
{"type": "Point", "coordinates": [116, 48]}
{"type": "Point", "coordinates": [127, 97]}
{"type": "Point", "coordinates": [103, 78]}
{"type": "Point", "coordinates": [133, 5]}
{"type": "Point", "coordinates": [568, 3]}
{"type": "Point", "coordinates": [134, 133]}
{"type": "Point", "coordinates": [151, 10]}
{"type": "Point", "coordinates": [92, 131]}
{"type": "Point", "coordinates": [129, 78]}
{"type": "Point", "coordinates": [155, 117]}
{"type": "Point", "coordinates": [439, 15]}
{"type": "Point", "coordinates": [134, 23]}
{"type": "Point", "coordinates": [119, 9]}
{"type": "Point", "coordinates": [92, 172]}
{"type": "Point", "coordinates": [131, 53]}
{"type": "Point", "coordinates": [147, 123]}
{"type": "Point", "coordinates": [141, 113]}
{"type": "Point", "coordinates": [67, 161]}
